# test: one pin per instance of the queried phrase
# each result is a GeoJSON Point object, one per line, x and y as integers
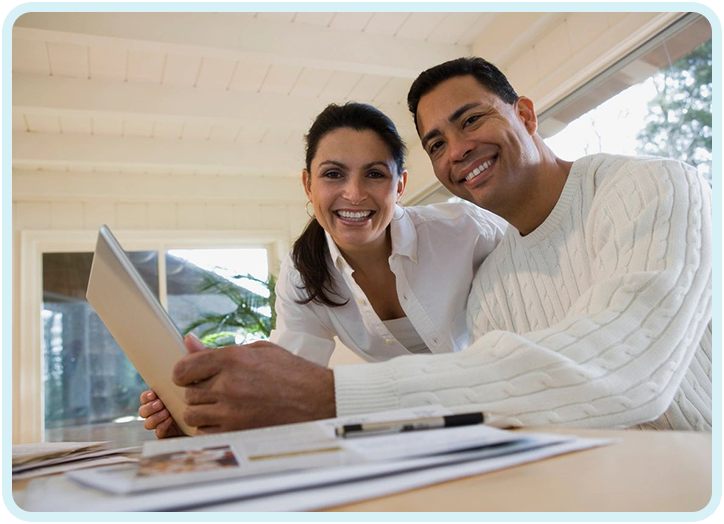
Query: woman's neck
{"type": "Point", "coordinates": [370, 256]}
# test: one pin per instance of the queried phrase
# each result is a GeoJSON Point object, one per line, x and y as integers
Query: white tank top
{"type": "Point", "coordinates": [406, 334]}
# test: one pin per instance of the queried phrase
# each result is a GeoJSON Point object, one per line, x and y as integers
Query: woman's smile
{"type": "Point", "coordinates": [354, 218]}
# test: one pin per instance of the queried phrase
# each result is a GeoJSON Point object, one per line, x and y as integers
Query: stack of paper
{"type": "Point", "coordinates": [34, 460]}
{"type": "Point", "coordinates": [294, 467]}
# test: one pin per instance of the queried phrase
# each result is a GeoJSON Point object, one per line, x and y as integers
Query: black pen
{"type": "Point", "coordinates": [401, 426]}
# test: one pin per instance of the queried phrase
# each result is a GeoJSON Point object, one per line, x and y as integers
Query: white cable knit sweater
{"type": "Point", "coordinates": [601, 317]}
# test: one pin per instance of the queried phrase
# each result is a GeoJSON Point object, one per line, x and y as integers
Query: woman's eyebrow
{"type": "Point", "coordinates": [376, 163]}
{"type": "Point", "coordinates": [333, 163]}
{"type": "Point", "coordinates": [342, 165]}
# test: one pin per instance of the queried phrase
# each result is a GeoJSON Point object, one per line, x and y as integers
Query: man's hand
{"type": "Point", "coordinates": [255, 385]}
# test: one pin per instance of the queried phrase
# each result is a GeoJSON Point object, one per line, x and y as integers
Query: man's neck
{"type": "Point", "coordinates": [544, 194]}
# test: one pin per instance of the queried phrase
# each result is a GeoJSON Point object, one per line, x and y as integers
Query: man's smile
{"type": "Point", "coordinates": [482, 168]}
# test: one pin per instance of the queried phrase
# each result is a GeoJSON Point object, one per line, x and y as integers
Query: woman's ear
{"type": "Point", "coordinates": [401, 184]}
{"type": "Point", "coordinates": [307, 183]}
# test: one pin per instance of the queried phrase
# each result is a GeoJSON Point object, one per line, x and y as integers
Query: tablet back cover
{"type": "Point", "coordinates": [137, 322]}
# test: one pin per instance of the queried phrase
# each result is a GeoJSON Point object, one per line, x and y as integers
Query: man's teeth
{"type": "Point", "coordinates": [479, 169]}
{"type": "Point", "coordinates": [354, 215]}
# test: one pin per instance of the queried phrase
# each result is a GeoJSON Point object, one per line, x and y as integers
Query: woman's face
{"type": "Point", "coordinates": [354, 186]}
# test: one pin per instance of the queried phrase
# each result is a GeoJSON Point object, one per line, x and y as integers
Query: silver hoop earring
{"type": "Point", "coordinates": [306, 208]}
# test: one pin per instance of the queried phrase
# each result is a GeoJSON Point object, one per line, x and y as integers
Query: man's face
{"type": "Point", "coordinates": [481, 148]}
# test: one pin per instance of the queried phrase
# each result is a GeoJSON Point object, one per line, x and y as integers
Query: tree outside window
{"type": "Point", "coordinates": [678, 124]}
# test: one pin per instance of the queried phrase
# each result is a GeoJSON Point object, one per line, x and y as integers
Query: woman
{"type": "Point", "coordinates": [387, 280]}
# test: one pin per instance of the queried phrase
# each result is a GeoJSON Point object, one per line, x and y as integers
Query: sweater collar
{"type": "Point", "coordinates": [561, 208]}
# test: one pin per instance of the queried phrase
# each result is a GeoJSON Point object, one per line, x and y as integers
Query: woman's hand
{"type": "Point", "coordinates": [157, 416]}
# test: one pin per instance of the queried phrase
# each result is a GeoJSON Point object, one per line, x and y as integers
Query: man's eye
{"type": "Point", "coordinates": [471, 120]}
{"type": "Point", "coordinates": [435, 146]}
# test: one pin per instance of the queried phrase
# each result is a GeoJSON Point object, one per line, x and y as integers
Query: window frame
{"type": "Point", "coordinates": [35, 243]}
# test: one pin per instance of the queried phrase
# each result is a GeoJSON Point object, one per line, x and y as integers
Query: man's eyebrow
{"type": "Point", "coordinates": [456, 114]}
{"type": "Point", "coordinates": [461, 110]}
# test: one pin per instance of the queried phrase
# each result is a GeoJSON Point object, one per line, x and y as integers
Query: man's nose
{"type": "Point", "coordinates": [459, 148]}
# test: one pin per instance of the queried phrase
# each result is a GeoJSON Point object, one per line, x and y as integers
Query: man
{"type": "Point", "coordinates": [595, 310]}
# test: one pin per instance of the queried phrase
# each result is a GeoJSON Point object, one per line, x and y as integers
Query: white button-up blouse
{"type": "Point", "coordinates": [436, 251]}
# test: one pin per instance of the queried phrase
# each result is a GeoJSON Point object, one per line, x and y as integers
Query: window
{"type": "Point", "coordinates": [657, 101]}
{"type": "Point", "coordinates": [87, 379]}
{"type": "Point", "coordinates": [220, 274]}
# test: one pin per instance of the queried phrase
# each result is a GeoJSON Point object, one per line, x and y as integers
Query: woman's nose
{"type": "Point", "coordinates": [354, 192]}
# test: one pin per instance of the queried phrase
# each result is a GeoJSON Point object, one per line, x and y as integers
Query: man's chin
{"type": "Point", "coordinates": [479, 200]}
{"type": "Point", "coordinates": [469, 198]}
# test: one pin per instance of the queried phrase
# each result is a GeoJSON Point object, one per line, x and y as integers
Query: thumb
{"type": "Point", "coordinates": [193, 344]}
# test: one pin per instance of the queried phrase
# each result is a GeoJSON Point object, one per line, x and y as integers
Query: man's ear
{"type": "Point", "coordinates": [401, 184]}
{"type": "Point", "coordinates": [526, 112]}
{"type": "Point", "coordinates": [307, 183]}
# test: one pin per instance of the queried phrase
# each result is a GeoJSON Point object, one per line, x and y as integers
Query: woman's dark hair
{"type": "Point", "coordinates": [310, 252]}
{"type": "Point", "coordinates": [487, 75]}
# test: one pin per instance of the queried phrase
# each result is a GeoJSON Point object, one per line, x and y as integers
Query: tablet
{"type": "Point", "coordinates": [137, 321]}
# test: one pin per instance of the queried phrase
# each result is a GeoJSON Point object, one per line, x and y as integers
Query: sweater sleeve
{"type": "Point", "coordinates": [621, 352]}
{"type": "Point", "coordinates": [298, 328]}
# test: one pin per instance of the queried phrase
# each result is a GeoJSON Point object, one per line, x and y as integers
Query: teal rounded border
{"type": "Point", "coordinates": [7, 246]}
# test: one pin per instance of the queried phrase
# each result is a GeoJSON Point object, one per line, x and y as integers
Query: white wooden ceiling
{"type": "Point", "coordinates": [209, 93]}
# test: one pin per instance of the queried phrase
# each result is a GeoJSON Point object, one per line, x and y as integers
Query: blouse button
{"type": "Point", "coordinates": [361, 301]}
{"type": "Point", "coordinates": [389, 342]}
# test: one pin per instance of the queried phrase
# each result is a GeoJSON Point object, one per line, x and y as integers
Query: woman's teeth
{"type": "Point", "coordinates": [354, 215]}
{"type": "Point", "coordinates": [480, 169]}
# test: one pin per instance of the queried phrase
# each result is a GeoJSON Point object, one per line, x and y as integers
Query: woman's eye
{"type": "Point", "coordinates": [332, 174]}
{"type": "Point", "coordinates": [376, 174]}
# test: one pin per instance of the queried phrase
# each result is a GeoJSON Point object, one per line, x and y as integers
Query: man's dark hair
{"type": "Point", "coordinates": [489, 76]}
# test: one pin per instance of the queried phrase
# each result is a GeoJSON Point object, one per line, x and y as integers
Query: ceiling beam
{"type": "Point", "coordinates": [242, 38]}
{"type": "Point", "coordinates": [65, 186]}
{"type": "Point", "coordinates": [149, 153]}
{"type": "Point", "coordinates": [511, 33]}
{"type": "Point", "coordinates": [59, 96]}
